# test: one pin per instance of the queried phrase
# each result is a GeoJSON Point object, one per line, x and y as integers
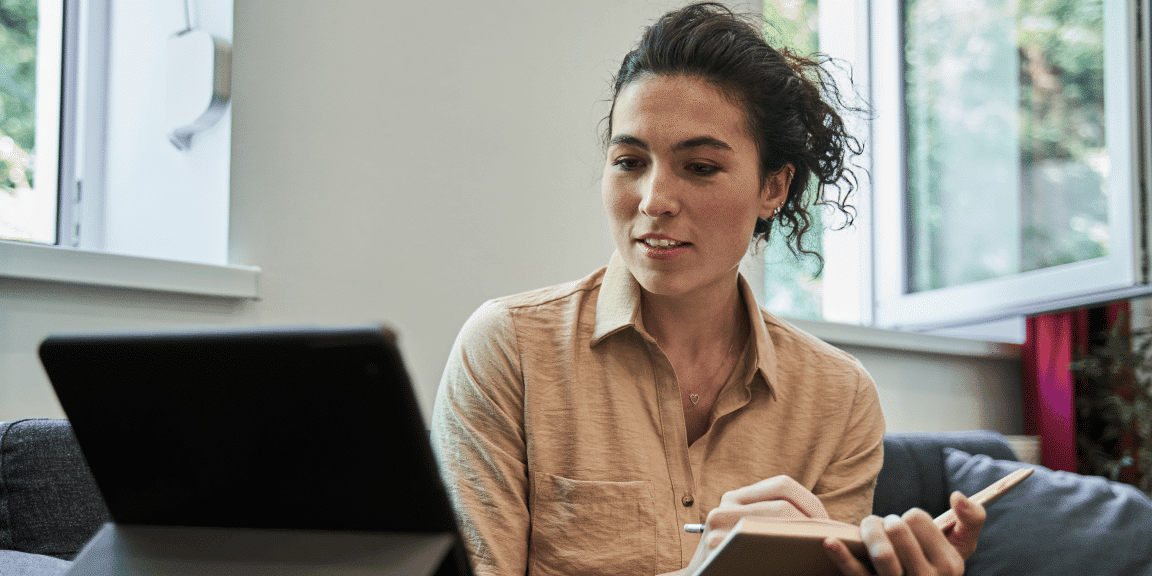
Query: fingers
{"type": "Point", "coordinates": [779, 497]}
{"type": "Point", "coordinates": [880, 547]}
{"type": "Point", "coordinates": [908, 545]}
{"type": "Point", "coordinates": [843, 558]}
{"type": "Point", "coordinates": [726, 516]}
{"type": "Point", "coordinates": [782, 488]}
{"type": "Point", "coordinates": [713, 538]}
{"type": "Point", "coordinates": [933, 546]}
{"type": "Point", "coordinates": [970, 521]}
{"type": "Point", "coordinates": [703, 551]}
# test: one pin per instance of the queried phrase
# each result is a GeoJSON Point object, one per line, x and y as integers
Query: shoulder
{"type": "Point", "coordinates": [792, 343]}
{"type": "Point", "coordinates": [486, 365]}
{"type": "Point", "coordinates": [555, 295]}
{"type": "Point", "coordinates": [828, 389]}
{"type": "Point", "coordinates": [816, 377]}
{"type": "Point", "coordinates": [501, 318]}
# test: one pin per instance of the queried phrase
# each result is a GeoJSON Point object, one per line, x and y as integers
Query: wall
{"type": "Point", "coordinates": [927, 391]}
{"type": "Point", "coordinates": [403, 162]}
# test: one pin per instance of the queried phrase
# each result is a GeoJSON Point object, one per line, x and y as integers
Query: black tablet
{"type": "Point", "coordinates": [301, 428]}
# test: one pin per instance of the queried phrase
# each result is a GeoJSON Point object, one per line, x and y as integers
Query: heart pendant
{"type": "Point", "coordinates": [694, 398]}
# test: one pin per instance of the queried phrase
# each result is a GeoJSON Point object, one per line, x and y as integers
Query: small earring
{"type": "Point", "coordinates": [787, 188]}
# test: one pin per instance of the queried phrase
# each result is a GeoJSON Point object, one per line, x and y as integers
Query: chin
{"type": "Point", "coordinates": [680, 282]}
{"type": "Point", "coordinates": [663, 283]}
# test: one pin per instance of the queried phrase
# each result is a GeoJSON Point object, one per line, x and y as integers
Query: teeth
{"type": "Point", "coordinates": [661, 243]}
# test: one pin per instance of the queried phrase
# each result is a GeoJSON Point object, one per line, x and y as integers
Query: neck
{"type": "Point", "coordinates": [694, 323]}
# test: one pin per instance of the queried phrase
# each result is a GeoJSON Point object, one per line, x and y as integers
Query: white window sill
{"type": "Point", "coordinates": [866, 336]}
{"type": "Point", "coordinates": [54, 264]}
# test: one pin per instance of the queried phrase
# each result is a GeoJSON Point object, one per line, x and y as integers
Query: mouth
{"type": "Point", "coordinates": [663, 242]}
{"type": "Point", "coordinates": [656, 243]}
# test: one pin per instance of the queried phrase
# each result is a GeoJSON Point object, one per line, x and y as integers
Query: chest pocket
{"type": "Point", "coordinates": [582, 527]}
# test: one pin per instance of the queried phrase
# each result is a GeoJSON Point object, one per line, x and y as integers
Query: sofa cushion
{"type": "Point", "coordinates": [913, 472]}
{"type": "Point", "coordinates": [49, 503]}
{"type": "Point", "coordinates": [1055, 522]}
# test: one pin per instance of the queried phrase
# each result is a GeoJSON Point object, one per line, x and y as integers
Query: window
{"type": "Point", "coordinates": [1010, 183]}
{"type": "Point", "coordinates": [30, 55]}
{"type": "Point", "coordinates": [840, 291]}
{"type": "Point", "coordinates": [1005, 173]}
{"type": "Point", "coordinates": [131, 205]}
{"type": "Point", "coordinates": [794, 286]}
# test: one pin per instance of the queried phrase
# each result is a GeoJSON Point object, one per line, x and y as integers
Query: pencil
{"type": "Point", "coordinates": [986, 496]}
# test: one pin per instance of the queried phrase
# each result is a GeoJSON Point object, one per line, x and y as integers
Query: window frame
{"type": "Point", "coordinates": [83, 149]}
{"type": "Point", "coordinates": [1121, 274]}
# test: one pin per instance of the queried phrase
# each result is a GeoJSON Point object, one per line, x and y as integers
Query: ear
{"type": "Point", "coordinates": [775, 190]}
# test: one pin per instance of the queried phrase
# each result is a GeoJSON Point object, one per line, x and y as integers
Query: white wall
{"type": "Point", "coordinates": [922, 391]}
{"type": "Point", "coordinates": [403, 162]}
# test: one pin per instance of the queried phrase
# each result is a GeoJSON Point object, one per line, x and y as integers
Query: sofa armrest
{"type": "Point", "coordinates": [914, 476]}
{"type": "Point", "coordinates": [13, 563]}
{"type": "Point", "coordinates": [49, 502]}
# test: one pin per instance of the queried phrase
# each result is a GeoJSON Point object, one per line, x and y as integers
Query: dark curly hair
{"type": "Point", "coordinates": [789, 99]}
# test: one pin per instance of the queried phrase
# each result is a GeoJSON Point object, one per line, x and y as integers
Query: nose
{"type": "Point", "coordinates": [659, 195]}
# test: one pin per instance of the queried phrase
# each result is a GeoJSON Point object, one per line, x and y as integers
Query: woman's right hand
{"type": "Point", "coordinates": [779, 496]}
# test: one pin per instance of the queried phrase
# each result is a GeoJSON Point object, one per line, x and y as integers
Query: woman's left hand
{"type": "Point", "coordinates": [912, 545]}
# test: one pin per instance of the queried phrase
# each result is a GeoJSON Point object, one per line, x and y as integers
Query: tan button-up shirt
{"type": "Point", "coordinates": [560, 431]}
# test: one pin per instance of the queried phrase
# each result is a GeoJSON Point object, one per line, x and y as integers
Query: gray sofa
{"type": "Point", "coordinates": [49, 503]}
{"type": "Point", "coordinates": [1053, 523]}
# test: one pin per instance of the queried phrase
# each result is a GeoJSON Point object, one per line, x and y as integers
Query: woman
{"type": "Point", "coordinates": [579, 427]}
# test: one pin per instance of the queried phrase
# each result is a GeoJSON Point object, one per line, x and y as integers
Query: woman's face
{"type": "Point", "coordinates": [682, 185]}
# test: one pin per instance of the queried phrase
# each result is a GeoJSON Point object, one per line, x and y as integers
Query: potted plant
{"type": "Point", "coordinates": [1114, 405]}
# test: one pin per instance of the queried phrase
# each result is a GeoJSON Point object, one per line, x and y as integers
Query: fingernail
{"type": "Point", "coordinates": [891, 520]}
{"type": "Point", "coordinates": [877, 550]}
{"type": "Point", "coordinates": [963, 503]}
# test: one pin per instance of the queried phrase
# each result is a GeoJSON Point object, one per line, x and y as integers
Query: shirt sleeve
{"type": "Point", "coordinates": [847, 485]}
{"type": "Point", "coordinates": [479, 441]}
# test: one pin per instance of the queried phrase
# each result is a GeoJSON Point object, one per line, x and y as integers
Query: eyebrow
{"type": "Point", "coordinates": [697, 142]}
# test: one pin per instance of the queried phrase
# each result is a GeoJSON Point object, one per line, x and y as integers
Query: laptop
{"type": "Point", "coordinates": [230, 448]}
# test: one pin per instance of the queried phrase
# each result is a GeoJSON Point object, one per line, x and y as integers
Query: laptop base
{"type": "Point", "coordinates": [135, 550]}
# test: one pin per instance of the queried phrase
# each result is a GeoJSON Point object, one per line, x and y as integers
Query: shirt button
{"type": "Point", "coordinates": [688, 501]}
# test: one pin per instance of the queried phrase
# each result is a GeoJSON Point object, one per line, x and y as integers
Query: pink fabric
{"type": "Point", "coordinates": [1048, 384]}
{"type": "Point", "coordinates": [1053, 342]}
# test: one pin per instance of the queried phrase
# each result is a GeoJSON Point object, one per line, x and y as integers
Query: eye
{"type": "Point", "coordinates": [700, 169]}
{"type": "Point", "coordinates": [627, 164]}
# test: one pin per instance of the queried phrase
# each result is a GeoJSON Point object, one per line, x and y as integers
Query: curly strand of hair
{"type": "Point", "coordinates": [828, 144]}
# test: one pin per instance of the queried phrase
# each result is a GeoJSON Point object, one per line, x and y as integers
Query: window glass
{"type": "Point", "coordinates": [1007, 165]}
{"type": "Point", "coordinates": [30, 47]}
{"type": "Point", "coordinates": [793, 284]}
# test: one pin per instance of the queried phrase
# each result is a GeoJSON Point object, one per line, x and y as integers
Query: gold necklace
{"type": "Point", "coordinates": [694, 398]}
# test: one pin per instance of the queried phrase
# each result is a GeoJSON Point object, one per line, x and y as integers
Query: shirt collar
{"type": "Point", "coordinates": [765, 350]}
{"type": "Point", "coordinates": [618, 307]}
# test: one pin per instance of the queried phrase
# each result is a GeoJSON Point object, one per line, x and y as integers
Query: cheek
{"type": "Point", "coordinates": [734, 215]}
{"type": "Point", "coordinates": [617, 201]}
